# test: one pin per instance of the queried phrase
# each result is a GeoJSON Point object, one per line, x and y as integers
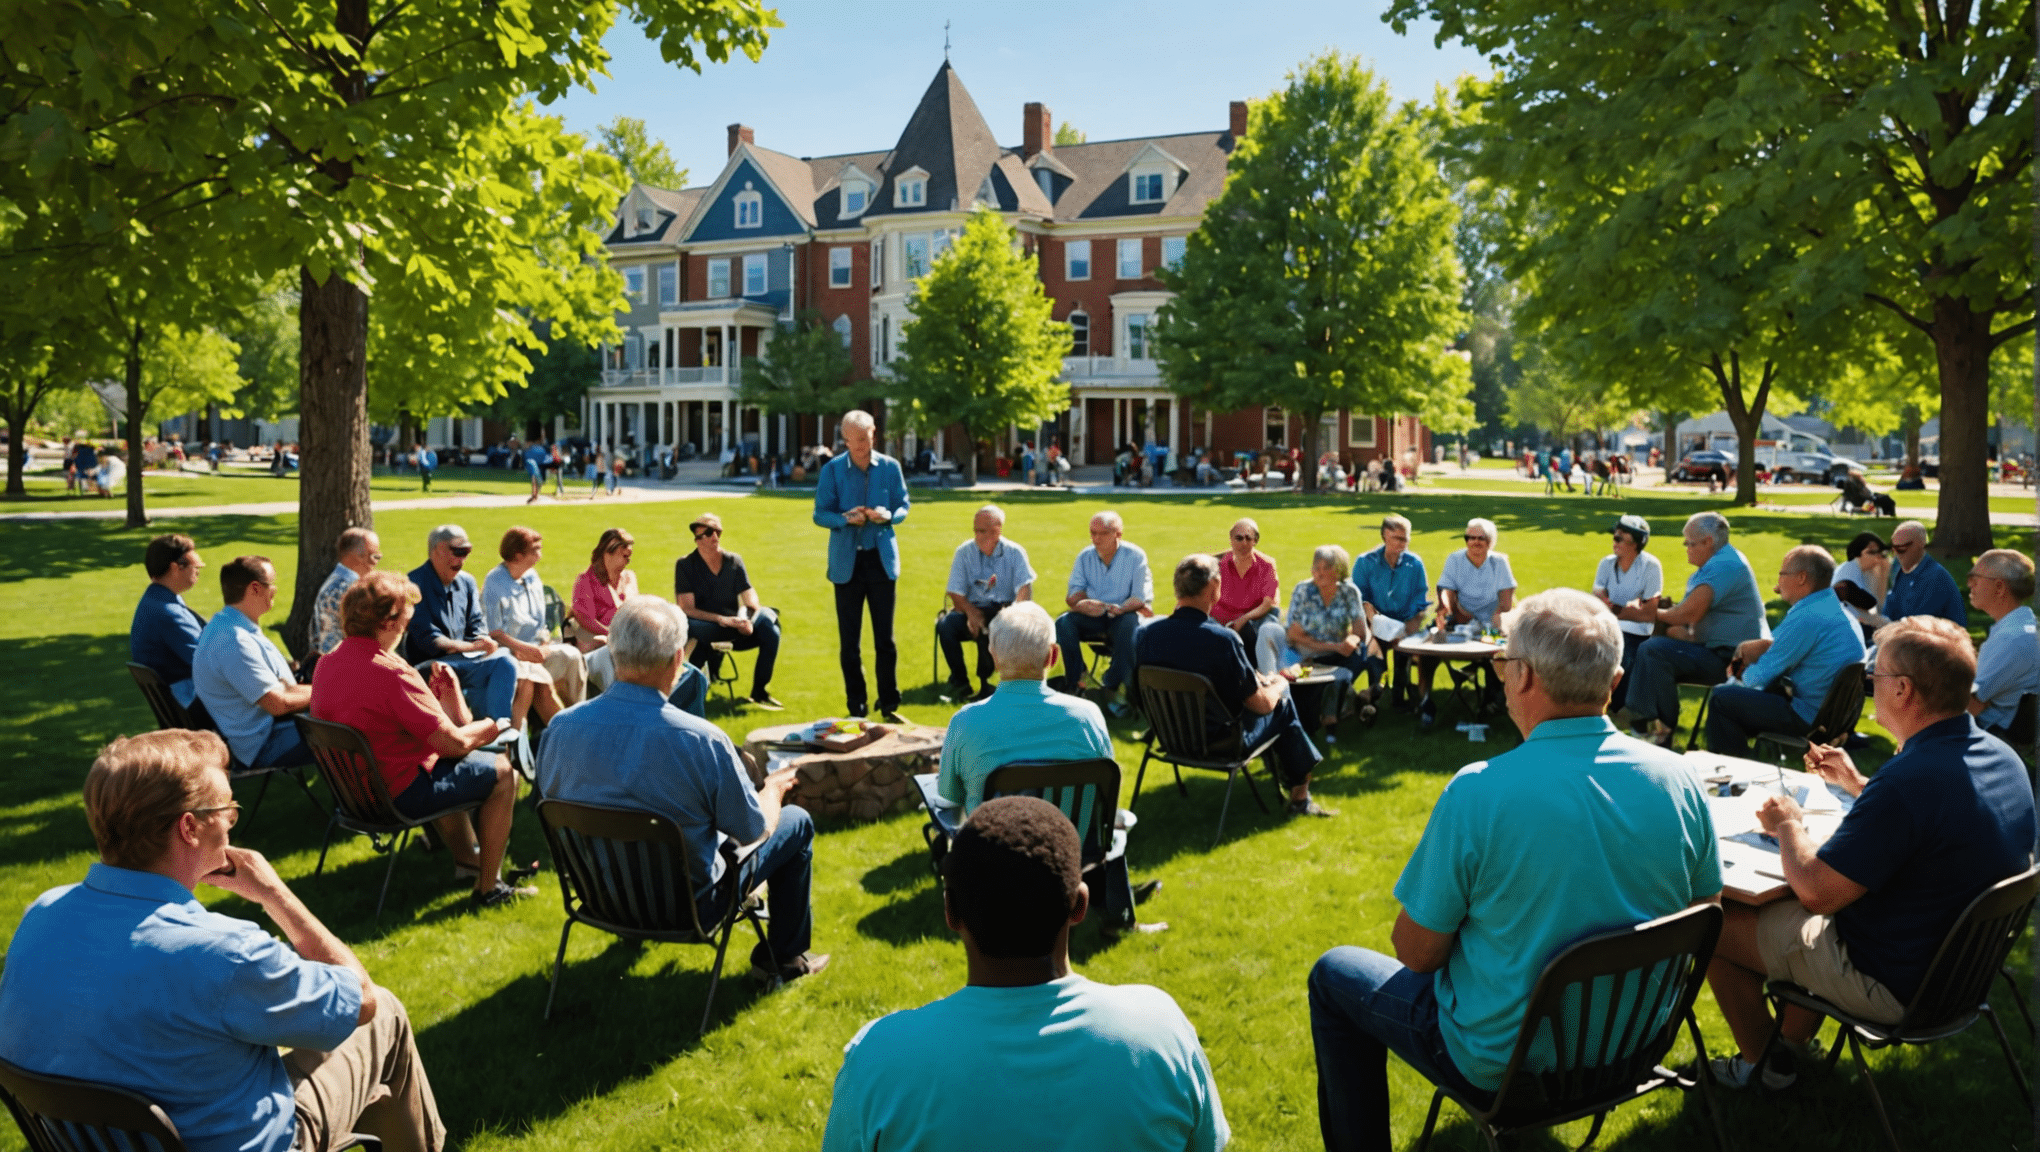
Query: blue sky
{"type": "Point", "coordinates": [843, 77]}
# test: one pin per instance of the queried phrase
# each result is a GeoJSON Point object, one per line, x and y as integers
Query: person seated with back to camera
{"type": "Point", "coordinates": [1577, 831]}
{"type": "Point", "coordinates": [1123, 1060]}
{"type": "Point", "coordinates": [126, 979]}
{"type": "Point", "coordinates": [1816, 641]}
{"type": "Point", "coordinates": [2008, 663]}
{"type": "Point", "coordinates": [247, 686]}
{"type": "Point", "coordinates": [987, 575]}
{"type": "Point", "coordinates": [1025, 720]}
{"type": "Point", "coordinates": [1248, 592]}
{"type": "Point", "coordinates": [714, 590]}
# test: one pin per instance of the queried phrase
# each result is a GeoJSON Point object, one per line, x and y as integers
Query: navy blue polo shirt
{"type": "Point", "coordinates": [1189, 641]}
{"type": "Point", "coordinates": [1943, 820]}
{"type": "Point", "coordinates": [452, 611]}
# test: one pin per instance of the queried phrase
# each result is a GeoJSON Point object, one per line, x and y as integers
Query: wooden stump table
{"type": "Point", "coordinates": [862, 784]}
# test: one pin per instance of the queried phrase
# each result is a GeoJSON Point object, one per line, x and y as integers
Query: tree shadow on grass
{"type": "Point", "coordinates": [42, 549]}
{"type": "Point", "coordinates": [72, 695]}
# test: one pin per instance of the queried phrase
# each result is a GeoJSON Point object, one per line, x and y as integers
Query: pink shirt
{"type": "Point", "coordinates": [594, 602]}
{"type": "Point", "coordinates": [1239, 595]}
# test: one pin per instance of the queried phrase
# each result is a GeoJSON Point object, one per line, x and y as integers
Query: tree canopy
{"type": "Point", "coordinates": [644, 159]}
{"type": "Point", "coordinates": [803, 370]}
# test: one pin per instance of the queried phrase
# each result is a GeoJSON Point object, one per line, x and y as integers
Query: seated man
{"type": "Point", "coordinates": [1207, 473]}
{"type": "Point", "coordinates": [714, 590]}
{"type": "Point", "coordinates": [1028, 1055]}
{"type": "Point", "coordinates": [1027, 720]}
{"type": "Point", "coordinates": [164, 635]}
{"type": "Point", "coordinates": [1946, 818]}
{"type": "Point", "coordinates": [1578, 830]}
{"type": "Point", "coordinates": [1391, 580]}
{"type": "Point", "coordinates": [2008, 663]}
{"type": "Point", "coordinates": [152, 992]}
{"type": "Point", "coordinates": [1816, 641]}
{"type": "Point", "coordinates": [631, 748]}
{"type": "Point", "coordinates": [988, 573]}
{"type": "Point", "coordinates": [243, 680]}
{"type": "Point", "coordinates": [1248, 591]}
{"type": "Point", "coordinates": [449, 625]}
{"type": "Point", "coordinates": [1110, 589]}
{"type": "Point", "coordinates": [356, 555]}
{"type": "Point", "coordinates": [1189, 640]}
{"type": "Point", "coordinates": [1920, 586]}
{"type": "Point", "coordinates": [1721, 609]}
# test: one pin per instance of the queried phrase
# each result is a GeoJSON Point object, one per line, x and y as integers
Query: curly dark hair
{"type": "Point", "coordinates": [1012, 876]}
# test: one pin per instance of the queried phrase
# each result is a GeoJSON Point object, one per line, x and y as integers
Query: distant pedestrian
{"type": "Point", "coordinates": [428, 462]}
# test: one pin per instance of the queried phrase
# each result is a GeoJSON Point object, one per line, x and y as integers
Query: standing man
{"type": "Point", "coordinates": [1721, 609]}
{"type": "Point", "coordinates": [428, 460]}
{"type": "Point", "coordinates": [1110, 590]}
{"type": "Point", "coordinates": [1920, 586]}
{"type": "Point", "coordinates": [1392, 580]}
{"type": "Point", "coordinates": [2008, 663]}
{"type": "Point", "coordinates": [1816, 641]}
{"type": "Point", "coordinates": [165, 632]}
{"type": "Point", "coordinates": [449, 626]}
{"type": "Point", "coordinates": [360, 550]}
{"type": "Point", "coordinates": [246, 683]}
{"type": "Point", "coordinates": [860, 496]}
{"type": "Point", "coordinates": [988, 573]}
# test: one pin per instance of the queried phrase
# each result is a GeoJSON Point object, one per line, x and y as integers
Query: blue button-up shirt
{"type": "Point", "coordinates": [843, 486]}
{"type": "Point", "coordinates": [1021, 720]}
{"type": "Point", "coordinates": [2007, 667]}
{"type": "Point", "coordinates": [993, 579]}
{"type": "Point", "coordinates": [235, 666]}
{"type": "Point", "coordinates": [164, 636]}
{"type": "Point", "coordinates": [1115, 583]}
{"type": "Point", "coordinates": [1400, 592]}
{"type": "Point", "coordinates": [1815, 642]}
{"type": "Point", "coordinates": [1736, 613]}
{"type": "Point", "coordinates": [127, 979]}
{"type": "Point", "coordinates": [449, 611]}
{"type": "Point", "coordinates": [1927, 590]}
{"type": "Point", "coordinates": [629, 748]}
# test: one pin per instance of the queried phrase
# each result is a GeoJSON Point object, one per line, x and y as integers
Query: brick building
{"type": "Point", "coordinates": [712, 270]}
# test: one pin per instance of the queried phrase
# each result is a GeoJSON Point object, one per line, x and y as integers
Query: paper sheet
{"type": "Point", "coordinates": [1386, 629]}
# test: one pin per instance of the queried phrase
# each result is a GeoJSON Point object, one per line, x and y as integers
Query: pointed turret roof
{"type": "Point", "coordinates": [949, 140]}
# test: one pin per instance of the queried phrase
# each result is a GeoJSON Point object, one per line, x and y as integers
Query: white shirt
{"type": "Point", "coordinates": [1852, 571]}
{"type": "Point", "coordinates": [1645, 580]}
{"type": "Point", "coordinates": [1479, 589]}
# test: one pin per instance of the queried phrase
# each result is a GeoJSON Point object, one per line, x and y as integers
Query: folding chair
{"type": "Point", "coordinates": [722, 668]}
{"type": "Point", "coordinates": [1178, 705]}
{"type": "Point", "coordinates": [171, 714]}
{"type": "Point", "coordinates": [59, 1114]}
{"type": "Point", "coordinates": [1839, 711]}
{"type": "Point", "coordinates": [1955, 991]}
{"type": "Point", "coordinates": [2024, 730]}
{"type": "Point", "coordinates": [627, 873]}
{"type": "Point", "coordinates": [1699, 717]}
{"type": "Point", "coordinates": [1087, 791]}
{"type": "Point", "coordinates": [1602, 1017]}
{"type": "Point", "coordinates": [361, 798]}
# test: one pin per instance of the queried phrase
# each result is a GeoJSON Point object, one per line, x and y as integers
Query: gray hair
{"type": "Point", "coordinates": [1111, 520]}
{"type": "Point", "coordinates": [1195, 573]}
{"type": "Point", "coordinates": [1571, 641]}
{"type": "Point", "coordinates": [859, 418]}
{"type": "Point", "coordinates": [645, 635]}
{"type": "Point", "coordinates": [1395, 520]}
{"type": "Point", "coordinates": [1487, 528]}
{"type": "Point", "coordinates": [2011, 567]}
{"type": "Point", "coordinates": [1712, 525]}
{"type": "Point", "coordinates": [443, 534]}
{"type": "Point", "coordinates": [1812, 561]}
{"type": "Point", "coordinates": [1333, 557]}
{"type": "Point", "coordinates": [992, 510]}
{"type": "Point", "coordinates": [354, 542]}
{"type": "Point", "coordinates": [1021, 635]}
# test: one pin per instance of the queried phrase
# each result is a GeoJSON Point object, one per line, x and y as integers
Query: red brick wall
{"type": "Point", "coordinates": [854, 301]}
{"type": "Point", "coordinates": [1094, 295]}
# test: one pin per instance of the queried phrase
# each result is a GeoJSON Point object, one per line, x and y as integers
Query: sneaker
{"type": "Point", "coordinates": [1735, 1072]}
{"type": "Point", "coordinates": [984, 693]}
{"type": "Point", "coordinates": [1427, 714]}
{"type": "Point", "coordinates": [1308, 807]}
{"type": "Point", "coordinates": [468, 873]}
{"type": "Point", "coordinates": [805, 964]}
{"type": "Point", "coordinates": [764, 700]}
{"type": "Point", "coordinates": [1113, 932]}
{"type": "Point", "coordinates": [501, 894]}
{"type": "Point", "coordinates": [1142, 893]}
{"type": "Point", "coordinates": [955, 693]}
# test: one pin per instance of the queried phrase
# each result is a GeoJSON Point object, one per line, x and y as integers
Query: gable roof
{"type": "Point", "coordinates": [674, 207]}
{"type": "Point", "coordinates": [947, 138]}
{"type": "Point", "coordinates": [827, 174]}
{"type": "Point", "coordinates": [1099, 186]}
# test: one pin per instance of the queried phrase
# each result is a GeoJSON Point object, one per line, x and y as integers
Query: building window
{"type": "Point", "coordinates": [718, 279]}
{"type": "Point", "coordinates": [1046, 179]}
{"type": "Point", "coordinates": [885, 339]}
{"type": "Point", "coordinates": [842, 327]}
{"type": "Point", "coordinates": [854, 197]}
{"type": "Point", "coordinates": [1080, 334]}
{"type": "Point", "coordinates": [750, 209]}
{"type": "Point", "coordinates": [1359, 430]}
{"type": "Point", "coordinates": [754, 274]}
{"type": "Point", "coordinates": [1172, 251]}
{"type": "Point", "coordinates": [911, 192]}
{"type": "Point", "coordinates": [1276, 421]}
{"type": "Point", "coordinates": [878, 262]}
{"type": "Point", "coordinates": [938, 243]}
{"type": "Point", "coordinates": [669, 285]}
{"type": "Point", "coordinates": [839, 267]}
{"type": "Point", "coordinates": [1076, 259]}
{"type": "Point", "coordinates": [914, 252]}
{"type": "Point", "coordinates": [1139, 337]}
{"type": "Point", "coordinates": [1129, 259]}
{"type": "Point", "coordinates": [1147, 188]}
{"type": "Point", "coordinates": [634, 282]}
{"type": "Point", "coordinates": [645, 218]}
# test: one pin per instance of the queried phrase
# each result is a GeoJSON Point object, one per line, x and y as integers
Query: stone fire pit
{"type": "Point", "coordinates": [862, 784]}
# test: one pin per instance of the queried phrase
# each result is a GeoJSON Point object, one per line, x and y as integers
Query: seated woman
{"type": "Point", "coordinates": [1912, 479]}
{"type": "Point", "coordinates": [598, 593]}
{"type": "Point", "coordinates": [1628, 579]}
{"type": "Point", "coordinates": [550, 675]}
{"type": "Point", "coordinates": [1862, 581]}
{"type": "Point", "coordinates": [1476, 588]}
{"type": "Point", "coordinates": [1328, 625]}
{"type": "Point", "coordinates": [424, 739]}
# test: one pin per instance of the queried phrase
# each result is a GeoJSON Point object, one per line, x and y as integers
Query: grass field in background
{"type": "Point", "coordinates": [618, 1066]}
{"type": "Point", "coordinates": [237, 486]}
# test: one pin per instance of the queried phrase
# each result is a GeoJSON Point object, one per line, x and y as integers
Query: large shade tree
{"type": "Point", "coordinates": [1324, 276]}
{"type": "Point", "coordinates": [803, 370]}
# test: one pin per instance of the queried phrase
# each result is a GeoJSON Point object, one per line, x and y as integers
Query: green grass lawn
{"type": "Point", "coordinates": [618, 1066]}
{"type": "Point", "coordinates": [237, 486]}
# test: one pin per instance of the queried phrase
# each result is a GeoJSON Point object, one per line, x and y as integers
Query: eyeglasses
{"type": "Point", "coordinates": [1470, 538]}
{"type": "Point", "coordinates": [1245, 539]}
{"type": "Point", "coordinates": [705, 533]}
{"type": "Point", "coordinates": [375, 557]}
{"type": "Point", "coordinates": [457, 550]}
{"type": "Point", "coordinates": [233, 806]}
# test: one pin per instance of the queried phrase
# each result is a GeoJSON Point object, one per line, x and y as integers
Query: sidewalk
{"type": "Point", "coordinates": [632, 492]}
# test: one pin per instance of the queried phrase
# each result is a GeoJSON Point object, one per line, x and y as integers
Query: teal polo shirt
{"type": "Point", "coordinates": [1021, 720]}
{"type": "Point", "coordinates": [1580, 830]}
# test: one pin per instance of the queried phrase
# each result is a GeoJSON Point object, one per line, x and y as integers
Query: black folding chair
{"type": "Point", "coordinates": [1839, 711]}
{"type": "Point", "coordinates": [2022, 733]}
{"type": "Point", "coordinates": [1087, 791]}
{"type": "Point", "coordinates": [1178, 705]}
{"type": "Point", "coordinates": [627, 873]}
{"type": "Point", "coordinates": [1955, 991]}
{"type": "Point", "coordinates": [361, 799]}
{"type": "Point", "coordinates": [59, 1114]}
{"type": "Point", "coordinates": [171, 714]}
{"type": "Point", "coordinates": [1602, 1017]}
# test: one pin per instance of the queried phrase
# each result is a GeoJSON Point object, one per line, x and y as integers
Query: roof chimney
{"type": "Point", "coordinates": [1238, 127]}
{"type": "Point", "coordinates": [740, 134]}
{"type": "Point", "coordinates": [1038, 130]}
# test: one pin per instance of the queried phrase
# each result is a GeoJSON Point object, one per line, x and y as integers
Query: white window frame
{"type": "Point", "coordinates": [1079, 320]}
{"type": "Point", "coordinates": [910, 192]}
{"type": "Point", "coordinates": [755, 262]}
{"type": "Point", "coordinates": [634, 282]}
{"type": "Point", "coordinates": [908, 242]}
{"type": "Point", "coordinates": [1075, 253]}
{"type": "Point", "coordinates": [647, 217]}
{"type": "Point", "coordinates": [1138, 181]}
{"type": "Point", "coordinates": [1359, 420]}
{"type": "Point", "coordinates": [1141, 347]}
{"type": "Point", "coordinates": [862, 191]}
{"type": "Point", "coordinates": [938, 243]}
{"type": "Point", "coordinates": [750, 209]}
{"type": "Point", "coordinates": [1180, 244]}
{"type": "Point", "coordinates": [840, 267]}
{"type": "Point", "coordinates": [719, 270]}
{"type": "Point", "coordinates": [1135, 246]}
{"type": "Point", "coordinates": [878, 262]}
{"type": "Point", "coordinates": [669, 285]}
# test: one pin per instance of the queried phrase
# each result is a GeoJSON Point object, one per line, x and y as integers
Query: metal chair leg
{"type": "Point", "coordinates": [1876, 1097]}
{"type": "Point", "coordinates": [1431, 1121]}
{"type": "Point", "coordinates": [559, 959]}
{"type": "Point", "coordinates": [1699, 719]}
{"type": "Point", "coordinates": [1703, 1077]}
{"type": "Point", "coordinates": [715, 976]}
{"type": "Point", "coordinates": [2011, 1061]}
{"type": "Point", "coordinates": [332, 822]}
{"type": "Point", "coordinates": [395, 849]}
{"type": "Point", "coordinates": [1134, 796]}
{"type": "Point", "coordinates": [1225, 807]}
{"type": "Point", "coordinates": [1593, 1133]}
{"type": "Point", "coordinates": [2018, 997]}
{"type": "Point", "coordinates": [1254, 789]}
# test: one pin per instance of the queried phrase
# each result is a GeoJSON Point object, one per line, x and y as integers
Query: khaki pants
{"type": "Point", "coordinates": [373, 1083]}
{"type": "Point", "coordinates": [1806, 949]}
{"type": "Point", "coordinates": [569, 672]}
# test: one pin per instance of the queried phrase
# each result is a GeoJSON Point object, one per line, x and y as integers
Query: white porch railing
{"type": "Point", "coordinates": [653, 377]}
{"type": "Point", "coordinates": [1123, 367]}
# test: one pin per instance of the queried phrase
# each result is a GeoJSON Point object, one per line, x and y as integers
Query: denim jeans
{"type": "Point", "coordinates": [763, 636]}
{"type": "Point", "coordinates": [1073, 628]}
{"type": "Point", "coordinates": [1363, 1005]}
{"type": "Point", "coordinates": [788, 861]}
{"type": "Point", "coordinates": [1735, 714]}
{"type": "Point", "coordinates": [1662, 664]}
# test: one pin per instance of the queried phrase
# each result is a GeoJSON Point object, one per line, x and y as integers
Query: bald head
{"type": "Point", "coordinates": [1909, 543]}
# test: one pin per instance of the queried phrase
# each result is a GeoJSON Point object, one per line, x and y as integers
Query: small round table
{"type": "Point", "coordinates": [1452, 649]}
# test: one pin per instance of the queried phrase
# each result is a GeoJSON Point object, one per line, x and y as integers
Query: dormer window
{"type": "Point", "coordinates": [644, 217]}
{"type": "Point", "coordinates": [986, 195]}
{"type": "Point", "coordinates": [1046, 179]}
{"type": "Point", "coordinates": [911, 189]}
{"type": "Point", "coordinates": [750, 208]}
{"type": "Point", "coordinates": [1147, 187]}
{"type": "Point", "coordinates": [854, 199]}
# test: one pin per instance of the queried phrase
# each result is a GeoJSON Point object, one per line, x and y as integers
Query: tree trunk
{"type": "Point", "coordinates": [1313, 427]}
{"type": "Point", "coordinates": [1746, 416]}
{"type": "Point", "coordinates": [1671, 442]}
{"type": "Point", "coordinates": [969, 460]}
{"type": "Point", "coordinates": [17, 454]}
{"type": "Point", "coordinates": [333, 469]}
{"type": "Point", "coordinates": [1911, 428]}
{"type": "Point", "coordinates": [1962, 351]}
{"type": "Point", "coordinates": [137, 515]}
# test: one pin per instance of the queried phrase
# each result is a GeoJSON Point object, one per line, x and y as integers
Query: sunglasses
{"type": "Point", "coordinates": [233, 806]}
{"type": "Point", "coordinates": [1470, 538]}
{"type": "Point", "coordinates": [707, 532]}
{"type": "Point", "coordinates": [457, 550]}
{"type": "Point", "coordinates": [1245, 539]}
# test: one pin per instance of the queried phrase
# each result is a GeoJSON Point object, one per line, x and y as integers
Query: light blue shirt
{"type": "Point", "coordinates": [1479, 590]}
{"type": "Point", "coordinates": [1736, 613]}
{"type": "Point", "coordinates": [629, 748]}
{"type": "Point", "coordinates": [1115, 583]}
{"type": "Point", "coordinates": [1577, 831]}
{"type": "Point", "coordinates": [1815, 642]}
{"type": "Point", "coordinates": [235, 666]}
{"type": "Point", "coordinates": [843, 486]}
{"type": "Point", "coordinates": [1067, 1064]}
{"type": "Point", "coordinates": [1021, 720]}
{"type": "Point", "coordinates": [993, 579]}
{"type": "Point", "coordinates": [2007, 667]}
{"type": "Point", "coordinates": [1402, 592]}
{"type": "Point", "coordinates": [127, 979]}
{"type": "Point", "coordinates": [515, 604]}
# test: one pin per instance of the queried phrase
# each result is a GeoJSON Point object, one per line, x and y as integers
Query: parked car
{"type": "Point", "coordinates": [1807, 459]}
{"type": "Point", "coordinates": [1708, 463]}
